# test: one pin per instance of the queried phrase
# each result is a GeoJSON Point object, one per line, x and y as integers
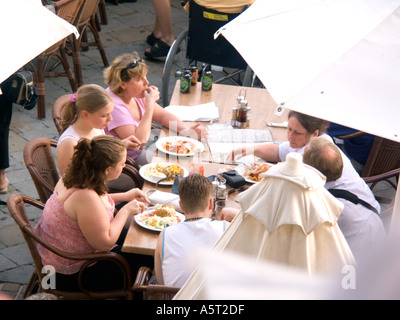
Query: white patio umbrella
{"type": "Point", "coordinates": [334, 59]}
{"type": "Point", "coordinates": [27, 29]}
{"type": "Point", "coordinates": [288, 218]}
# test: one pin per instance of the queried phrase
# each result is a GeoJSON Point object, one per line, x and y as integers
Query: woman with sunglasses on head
{"type": "Point", "coordinates": [135, 104]}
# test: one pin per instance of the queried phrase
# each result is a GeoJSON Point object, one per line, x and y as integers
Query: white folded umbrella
{"type": "Point", "coordinates": [288, 218]}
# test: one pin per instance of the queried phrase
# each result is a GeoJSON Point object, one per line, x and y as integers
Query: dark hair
{"type": "Point", "coordinates": [324, 156]}
{"type": "Point", "coordinates": [310, 123]}
{"type": "Point", "coordinates": [195, 191]}
{"type": "Point", "coordinates": [91, 158]}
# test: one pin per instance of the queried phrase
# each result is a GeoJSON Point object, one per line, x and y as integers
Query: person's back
{"type": "Point", "coordinates": [180, 241]}
{"type": "Point", "coordinates": [176, 243]}
{"type": "Point", "coordinates": [360, 225]}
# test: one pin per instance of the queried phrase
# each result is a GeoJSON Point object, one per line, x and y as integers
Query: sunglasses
{"type": "Point", "coordinates": [132, 64]}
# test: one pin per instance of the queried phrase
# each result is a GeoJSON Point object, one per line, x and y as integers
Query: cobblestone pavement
{"type": "Point", "coordinates": [129, 23]}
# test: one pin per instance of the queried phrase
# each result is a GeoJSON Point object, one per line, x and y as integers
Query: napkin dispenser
{"type": "Point", "coordinates": [234, 179]}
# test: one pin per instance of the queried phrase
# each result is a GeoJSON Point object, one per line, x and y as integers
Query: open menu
{"type": "Point", "coordinates": [222, 141]}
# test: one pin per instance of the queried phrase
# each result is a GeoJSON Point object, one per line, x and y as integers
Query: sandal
{"type": "Point", "coordinates": [158, 50]}
{"type": "Point", "coordinates": [151, 39]}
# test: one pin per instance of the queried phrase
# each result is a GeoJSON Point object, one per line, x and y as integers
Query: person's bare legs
{"type": "Point", "coordinates": [163, 24]}
{"type": "Point", "coordinates": [162, 29]}
{"type": "Point", "coordinates": [3, 181]}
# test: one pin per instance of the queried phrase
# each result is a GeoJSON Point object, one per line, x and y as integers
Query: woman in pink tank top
{"type": "Point", "coordinates": [79, 216]}
{"type": "Point", "coordinates": [136, 107]}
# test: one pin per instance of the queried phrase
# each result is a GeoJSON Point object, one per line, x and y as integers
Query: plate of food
{"type": "Point", "coordinates": [162, 173]}
{"type": "Point", "coordinates": [252, 167]}
{"type": "Point", "coordinates": [179, 146]}
{"type": "Point", "coordinates": [158, 217]}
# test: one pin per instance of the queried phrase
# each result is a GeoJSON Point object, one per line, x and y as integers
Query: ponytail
{"type": "Point", "coordinates": [90, 98]}
{"type": "Point", "coordinates": [91, 158]}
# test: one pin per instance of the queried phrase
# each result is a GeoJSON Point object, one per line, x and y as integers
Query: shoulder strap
{"type": "Point", "coordinates": [344, 194]}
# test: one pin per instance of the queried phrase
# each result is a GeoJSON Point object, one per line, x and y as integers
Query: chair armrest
{"type": "Point", "coordinates": [132, 162]}
{"type": "Point", "coordinates": [133, 173]}
{"type": "Point", "coordinates": [143, 276]}
{"type": "Point", "coordinates": [141, 282]}
{"type": "Point", "coordinates": [351, 135]}
{"type": "Point", "coordinates": [382, 176]}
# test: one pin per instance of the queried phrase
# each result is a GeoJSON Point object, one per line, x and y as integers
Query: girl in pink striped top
{"type": "Point", "coordinates": [79, 216]}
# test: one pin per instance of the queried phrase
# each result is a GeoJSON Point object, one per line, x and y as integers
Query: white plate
{"type": "Point", "coordinates": [248, 160]}
{"type": "Point", "coordinates": [139, 219]}
{"type": "Point", "coordinates": [196, 144]}
{"type": "Point", "coordinates": [145, 173]}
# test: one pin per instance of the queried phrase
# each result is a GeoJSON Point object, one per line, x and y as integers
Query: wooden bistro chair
{"type": "Point", "coordinates": [152, 291]}
{"type": "Point", "coordinates": [86, 20]}
{"type": "Point", "coordinates": [383, 157]}
{"type": "Point", "coordinates": [46, 62]}
{"type": "Point", "coordinates": [57, 109]}
{"type": "Point", "coordinates": [18, 206]}
{"type": "Point", "coordinates": [41, 164]}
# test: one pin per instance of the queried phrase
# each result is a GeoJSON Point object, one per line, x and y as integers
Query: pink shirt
{"type": "Point", "coordinates": [122, 117]}
{"type": "Point", "coordinates": [57, 228]}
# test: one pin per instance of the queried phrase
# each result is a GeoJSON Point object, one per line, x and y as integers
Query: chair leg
{"type": "Point", "coordinates": [33, 285]}
{"type": "Point", "coordinates": [99, 43]}
{"type": "Point", "coordinates": [39, 84]}
{"type": "Point", "coordinates": [68, 70]}
{"type": "Point", "coordinates": [76, 58]}
{"type": "Point", "coordinates": [103, 12]}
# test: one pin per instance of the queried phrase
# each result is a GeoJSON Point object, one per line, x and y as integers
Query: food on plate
{"type": "Point", "coordinates": [165, 211]}
{"type": "Point", "coordinates": [253, 171]}
{"type": "Point", "coordinates": [160, 217]}
{"type": "Point", "coordinates": [179, 146]}
{"type": "Point", "coordinates": [163, 172]}
{"type": "Point", "coordinates": [170, 172]}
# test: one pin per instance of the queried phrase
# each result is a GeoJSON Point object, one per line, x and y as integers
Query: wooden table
{"type": "Point", "coordinates": [143, 241]}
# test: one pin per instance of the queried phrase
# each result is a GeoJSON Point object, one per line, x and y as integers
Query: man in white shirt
{"type": "Point", "coordinates": [359, 220]}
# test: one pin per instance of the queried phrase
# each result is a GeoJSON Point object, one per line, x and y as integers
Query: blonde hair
{"type": "Point", "coordinates": [119, 72]}
{"type": "Point", "coordinates": [90, 97]}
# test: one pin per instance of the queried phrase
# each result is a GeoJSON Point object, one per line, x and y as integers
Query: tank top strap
{"type": "Point", "coordinates": [69, 194]}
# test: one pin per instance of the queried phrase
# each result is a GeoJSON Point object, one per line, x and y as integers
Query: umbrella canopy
{"type": "Point", "coordinates": [28, 28]}
{"type": "Point", "coordinates": [287, 218]}
{"type": "Point", "coordinates": [333, 59]}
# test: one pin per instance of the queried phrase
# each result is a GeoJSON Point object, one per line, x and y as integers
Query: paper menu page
{"type": "Point", "coordinates": [201, 112]}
